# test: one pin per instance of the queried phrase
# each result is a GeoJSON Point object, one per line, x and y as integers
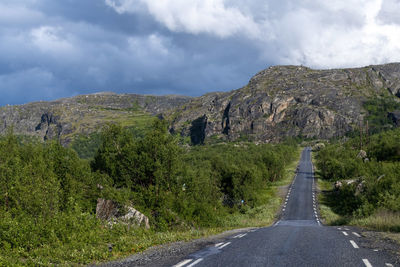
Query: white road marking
{"type": "Point", "coordinates": [277, 223]}
{"type": "Point", "coordinates": [367, 263]}
{"type": "Point", "coordinates": [354, 244]}
{"type": "Point", "coordinates": [389, 265]}
{"type": "Point", "coordinates": [283, 210]}
{"type": "Point", "coordinates": [339, 228]}
{"type": "Point", "coordinates": [236, 236]}
{"type": "Point", "coordinates": [239, 236]}
{"type": "Point", "coordinates": [219, 244]}
{"type": "Point", "coordinates": [346, 234]}
{"type": "Point", "coordinates": [346, 229]}
{"type": "Point", "coordinates": [224, 245]}
{"type": "Point", "coordinates": [357, 235]}
{"type": "Point", "coordinates": [376, 250]}
{"type": "Point", "coordinates": [195, 262]}
{"type": "Point", "coordinates": [182, 263]}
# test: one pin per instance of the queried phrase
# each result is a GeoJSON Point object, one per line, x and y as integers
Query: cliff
{"type": "Point", "coordinates": [288, 101]}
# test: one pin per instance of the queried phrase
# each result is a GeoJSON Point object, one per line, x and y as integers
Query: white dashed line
{"type": "Point", "coordinates": [224, 245]}
{"type": "Point", "coordinates": [346, 229]}
{"type": "Point", "coordinates": [367, 263]}
{"type": "Point", "coordinates": [219, 244]}
{"type": "Point", "coordinates": [195, 262]}
{"type": "Point", "coordinates": [239, 236]}
{"type": "Point", "coordinates": [389, 265]}
{"type": "Point", "coordinates": [277, 223]}
{"type": "Point", "coordinates": [357, 235]}
{"type": "Point", "coordinates": [346, 234]}
{"type": "Point", "coordinates": [339, 228]}
{"type": "Point", "coordinates": [354, 244]}
{"type": "Point", "coordinates": [236, 236]}
{"type": "Point", "coordinates": [182, 263]}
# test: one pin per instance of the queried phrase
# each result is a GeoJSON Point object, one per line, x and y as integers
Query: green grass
{"type": "Point", "coordinates": [381, 221]}
{"type": "Point", "coordinates": [90, 244]}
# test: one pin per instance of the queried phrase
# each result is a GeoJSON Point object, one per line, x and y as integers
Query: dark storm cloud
{"type": "Point", "coordinates": [51, 49]}
{"type": "Point", "coordinates": [63, 48]}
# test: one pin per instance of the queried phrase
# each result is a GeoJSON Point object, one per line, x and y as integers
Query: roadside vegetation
{"type": "Point", "coordinates": [366, 171]}
{"type": "Point", "coordinates": [48, 194]}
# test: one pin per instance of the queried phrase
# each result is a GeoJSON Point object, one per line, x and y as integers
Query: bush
{"type": "Point", "coordinates": [375, 181]}
{"type": "Point", "coordinates": [48, 194]}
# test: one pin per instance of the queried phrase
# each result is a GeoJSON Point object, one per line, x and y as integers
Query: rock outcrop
{"type": "Point", "coordinates": [110, 211]}
{"type": "Point", "coordinates": [65, 118]}
{"type": "Point", "coordinates": [287, 101]}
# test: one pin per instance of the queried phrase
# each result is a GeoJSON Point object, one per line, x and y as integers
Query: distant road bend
{"type": "Point", "coordinates": [297, 239]}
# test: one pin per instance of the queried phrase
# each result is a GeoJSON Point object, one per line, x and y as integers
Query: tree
{"type": "Point", "coordinates": [141, 163]}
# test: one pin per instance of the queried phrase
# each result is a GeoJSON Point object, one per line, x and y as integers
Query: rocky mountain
{"type": "Point", "coordinates": [279, 102]}
{"type": "Point", "coordinates": [66, 118]}
{"type": "Point", "coordinates": [288, 101]}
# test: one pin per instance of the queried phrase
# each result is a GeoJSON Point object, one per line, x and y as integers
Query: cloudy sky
{"type": "Point", "coordinates": [51, 49]}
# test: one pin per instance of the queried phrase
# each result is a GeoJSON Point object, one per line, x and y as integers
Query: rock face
{"type": "Point", "coordinates": [63, 119]}
{"type": "Point", "coordinates": [395, 117]}
{"type": "Point", "coordinates": [287, 101]}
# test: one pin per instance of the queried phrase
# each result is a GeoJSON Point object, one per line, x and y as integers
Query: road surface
{"type": "Point", "coordinates": [297, 239]}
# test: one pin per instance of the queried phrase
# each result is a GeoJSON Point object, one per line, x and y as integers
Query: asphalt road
{"type": "Point", "coordinates": [297, 239]}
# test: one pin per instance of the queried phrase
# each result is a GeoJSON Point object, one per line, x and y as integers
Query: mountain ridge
{"type": "Point", "coordinates": [289, 101]}
{"type": "Point", "coordinates": [278, 102]}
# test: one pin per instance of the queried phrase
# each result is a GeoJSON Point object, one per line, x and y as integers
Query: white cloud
{"type": "Point", "coordinates": [317, 33]}
{"type": "Point", "coordinates": [196, 16]}
{"type": "Point", "coordinates": [123, 6]}
{"type": "Point", "coordinates": [51, 39]}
